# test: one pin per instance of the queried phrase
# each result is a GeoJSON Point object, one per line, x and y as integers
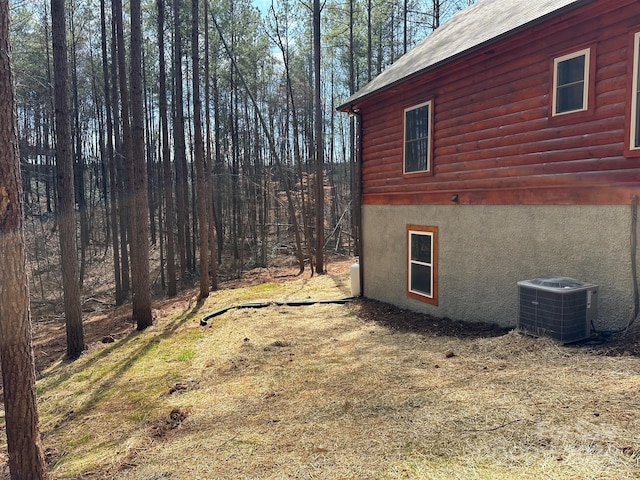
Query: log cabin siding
{"type": "Point", "coordinates": [495, 140]}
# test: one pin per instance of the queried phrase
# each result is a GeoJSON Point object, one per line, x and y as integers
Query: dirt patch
{"type": "Point", "coordinates": [162, 427]}
{"type": "Point", "coordinates": [616, 345]}
{"type": "Point", "coordinates": [408, 321]}
{"type": "Point", "coordinates": [620, 345]}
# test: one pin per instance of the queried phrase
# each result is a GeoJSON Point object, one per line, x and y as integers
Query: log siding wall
{"type": "Point", "coordinates": [495, 139]}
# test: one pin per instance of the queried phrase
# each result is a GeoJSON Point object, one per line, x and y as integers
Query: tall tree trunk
{"type": "Point", "coordinates": [369, 40]}
{"type": "Point", "coordinates": [235, 172]}
{"type": "Point", "coordinates": [103, 161]}
{"type": "Point", "coordinates": [49, 108]}
{"type": "Point", "coordinates": [166, 158]}
{"type": "Point", "coordinates": [208, 161]}
{"type": "Point", "coordinates": [128, 153]}
{"type": "Point", "coordinates": [26, 459]}
{"type": "Point", "coordinates": [79, 166]}
{"type": "Point", "coordinates": [141, 288]}
{"type": "Point", "coordinates": [159, 181]}
{"type": "Point", "coordinates": [113, 192]}
{"type": "Point", "coordinates": [198, 155]}
{"type": "Point", "coordinates": [319, 147]}
{"type": "Point", "coordinates": [66, 200]}
{"type": "Point", "coordinates": [152, 190]}
{"type": "Point", "coordinates": [217, 166]}
{"type": "Point", "coordinates": [122, 135]}
{"type": "Point", "coordinates": [405, 24]}
{"type": "Point", "coordinates": [150, 142]}
{"type": "Point", "coordinates": [193, 232]}
{"type": "Point", "coordinates": [355, 203]}
{"type": "Point", "coordinates": [180, 155]}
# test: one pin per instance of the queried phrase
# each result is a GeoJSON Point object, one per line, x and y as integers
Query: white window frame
{"type": "Point", "coordinates": [634, 133]}
{"type": "Point", "coordinates": [429, 105]}
{"type": "Point", "coordinates": [585, 91]}
{"type": "Point", "coordinates": [432, 233]}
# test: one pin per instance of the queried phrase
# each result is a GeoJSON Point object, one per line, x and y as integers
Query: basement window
{"type": "Point", "coordinates": [571, 82]}
{"type": "Point", "coordinates": [417, 138]}
{"type": "Point", "coordinates": [422, 263]}
{"type": "Point", "coordinates": [635, 95]}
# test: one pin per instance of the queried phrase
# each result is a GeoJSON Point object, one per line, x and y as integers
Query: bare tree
{"type": "Point", "coordinates": [18, 369]}
{"type": "Point", "coordinates": [198, 155]}
{"type": "Point", "coordinates": [369, 43]}
{"type": "Point", "coordinates": [66, 198]}
{"type": "Point", "coordinates": [180, 154]}
{"type": "Point", "coordinates": [125, 164]}
{"type": "Point", "coordinates": [166, 156]}
{"type": "Point", "coordinates": [436, 13]}
{"type": "Point", "coordinates": [319, 144]}
{"type": "Point", "coordinates": [208, 157]}
{"type": "Point", "coordinates": [141, 288]}
{"type": "Point", "coordinates": [79, 161]}
{"type": "Point", "coordinates": [272, 148]}
{"type": "Point", "coordinates": [284, 49]}
{"type": "Point", "coordinates": [121, 133]}
{"type": "Point", "coordinates": [111, 158]}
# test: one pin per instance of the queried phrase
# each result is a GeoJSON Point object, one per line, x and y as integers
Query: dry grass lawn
{"type": "Point", "coordinates": [335, 392]}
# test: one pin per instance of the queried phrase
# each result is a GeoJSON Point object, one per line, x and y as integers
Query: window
{"type": "Point", "coordinates": [635, 95]}
{"type": "Point", "coordinates": [571, 82]}
{"type": "Point", "coordinates": [417, 138]}
{"type": "Point", "coordinates": [422, 268]}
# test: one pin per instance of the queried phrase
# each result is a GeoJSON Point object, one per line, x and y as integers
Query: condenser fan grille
{"type": "Point", "coordinates": [563, 312]}
{"type": "Point", "coordinates": [559, 316]}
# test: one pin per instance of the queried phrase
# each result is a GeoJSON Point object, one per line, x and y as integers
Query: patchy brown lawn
{"type": "Point", "coordinates": [356, 391]}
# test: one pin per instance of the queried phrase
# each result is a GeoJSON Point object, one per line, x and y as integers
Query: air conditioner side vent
{"type": "Point", "coordinates": [558, 307]}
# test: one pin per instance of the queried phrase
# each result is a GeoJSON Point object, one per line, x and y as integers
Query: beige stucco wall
{"type": "Point", "coordinates": [484, 250]}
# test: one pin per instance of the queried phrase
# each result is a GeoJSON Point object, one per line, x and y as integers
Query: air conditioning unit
{"type": "Point", "coordinates": [558, 307]}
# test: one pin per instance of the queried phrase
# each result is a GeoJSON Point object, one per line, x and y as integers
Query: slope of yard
{"type": "Point", "coordinates": [356, 391]}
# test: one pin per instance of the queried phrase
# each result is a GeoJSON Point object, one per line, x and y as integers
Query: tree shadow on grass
{"type": "Point", "coordinates": [100, 387]}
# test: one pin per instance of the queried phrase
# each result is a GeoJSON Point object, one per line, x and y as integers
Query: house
{"type": "Point", "coordinates": [504, 147]}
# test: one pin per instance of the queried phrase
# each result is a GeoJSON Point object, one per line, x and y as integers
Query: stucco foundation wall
{"type": "Point", "coordinates": [483, 250]}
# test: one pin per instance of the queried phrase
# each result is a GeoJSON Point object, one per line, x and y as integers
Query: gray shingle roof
{"type": "Point", "coordinates": [479, 24]}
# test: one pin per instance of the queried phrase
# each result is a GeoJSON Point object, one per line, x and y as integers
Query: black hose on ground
{"type": "Point", "coordinates": [291, 303]}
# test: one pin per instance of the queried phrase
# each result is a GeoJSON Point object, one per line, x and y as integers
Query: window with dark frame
{"type": "Point", "coordinates": [571, 75]}
{"type": "Point", "coordinates": [635, 100]}
{"type": "Point", "coordinates": [422, 263]}
{"type": "Point", "coordinates": [417, 138]}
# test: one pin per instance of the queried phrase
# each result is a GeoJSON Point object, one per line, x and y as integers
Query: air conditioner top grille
{"type": "Point", "coordinates": [556, 284]}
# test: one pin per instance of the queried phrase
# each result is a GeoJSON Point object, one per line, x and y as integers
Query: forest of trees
{"type": "Point", "coordinates": [161, 143]}
{"type": "Point", "coordinates": [217, 135]}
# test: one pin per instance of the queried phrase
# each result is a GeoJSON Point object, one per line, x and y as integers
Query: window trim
{"type": "Point", "coordinates": [587, 81]}
{"type": "Point", "coordinates": [429, 169]}
{"type": "Point", "coordinates": [634, 125]}
{"type": "Point", "coordinates": [433, 232]}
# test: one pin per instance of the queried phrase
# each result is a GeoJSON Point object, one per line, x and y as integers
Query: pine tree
{"type": "Point", "coordinates": [18, 369]}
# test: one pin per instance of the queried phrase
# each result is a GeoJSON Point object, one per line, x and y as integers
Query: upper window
{"type": "Point", "coordinates": [571, 82]}
{"type": "Point", "coordinates": [417, 138]}
{"type": "Point", "coordinates": [422, 268]}
{"type": "Point", "coordinates": [635, 95]}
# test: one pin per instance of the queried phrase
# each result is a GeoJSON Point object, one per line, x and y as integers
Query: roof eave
{"type": "Point", "coordinates": [354, 99]}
